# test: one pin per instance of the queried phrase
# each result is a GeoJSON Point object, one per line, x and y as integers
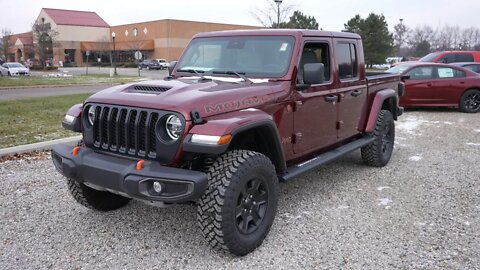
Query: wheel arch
{"type": "Point", "coordinates": [262, 137]}
{"type": "Point", "coordinates": [255, 131]}
{"type": "Point", "coordinates": [386, 99]}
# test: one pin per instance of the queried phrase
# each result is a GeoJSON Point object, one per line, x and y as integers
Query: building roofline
{"type": "Point", "coordinates": [178, 20]}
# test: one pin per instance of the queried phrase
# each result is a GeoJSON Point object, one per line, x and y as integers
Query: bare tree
{"type": "Point", "coordinates": [45, 39]}
{"type": "Point", "coordinates": [6, 44]}
{"type": "Point", "coordinates": [400, 35]}
{"type": "Point", "coordinates": [267, 15]}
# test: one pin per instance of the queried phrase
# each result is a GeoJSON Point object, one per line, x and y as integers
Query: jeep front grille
{"type": "Point", "coordinates": [126, 130]}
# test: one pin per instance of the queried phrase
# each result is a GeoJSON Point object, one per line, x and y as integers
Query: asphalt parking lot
{"type": "Point", "coordinates": [421, 211]}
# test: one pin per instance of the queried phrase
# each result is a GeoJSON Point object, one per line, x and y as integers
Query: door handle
{"type": "Point", "coordinates": [429, 84]}
{"type": "Point", "coordinates": [331, 98]}
{"type": "Point", "coordinates": [356, 93]}
{"type": "Point", "coordinates": [462, 82]}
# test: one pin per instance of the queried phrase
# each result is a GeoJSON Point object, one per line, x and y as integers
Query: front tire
{"type": "Point", "coordinates": [470, 101]}
{"type": "Point", "coordinates": [379, 152]}
{"type": "Point", "coordinates": [95, 199]}
{"type": "Point", "coordinates": [240, 203]}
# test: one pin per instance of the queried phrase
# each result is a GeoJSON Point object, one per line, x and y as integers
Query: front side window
{"type": "Point", "coordinates": [346, 56]}
{"type": "Point", "coordinates": [317, 52]}
{"type": "Point", "coordinates": [254, 56]}
{"type": "Point", "coordinates": [421, 73]}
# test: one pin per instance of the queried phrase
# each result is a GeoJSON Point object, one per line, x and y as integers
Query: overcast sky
{"type": "Point", "coordinates": [331, 15]}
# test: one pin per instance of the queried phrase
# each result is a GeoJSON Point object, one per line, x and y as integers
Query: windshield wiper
{"type": "Point", "coordinates": [239, 74]}
{"type": "Point", "coordinates": [197, 72]}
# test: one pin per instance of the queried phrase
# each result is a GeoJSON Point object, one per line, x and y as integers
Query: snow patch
{"type": "Point", "coordinates": [343, 207]}
{"type": "Point", "coordinates": [477, 130]}
{"type": "Point", "coordinates": [474, 144]}
{"type": "Point", "coordinates": [415, 158]}
{"type": "Point", "coordinates": [384, 201]}
{"type": "Point", "coordinates": [410, 125]}
{"type": "Point", "coordinates": [382, 188]}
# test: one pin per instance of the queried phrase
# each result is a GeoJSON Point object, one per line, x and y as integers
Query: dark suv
{"type": "Point", "coordinates": [149, 64]}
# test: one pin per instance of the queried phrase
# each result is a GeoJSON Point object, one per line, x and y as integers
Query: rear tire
{"type": "Point", "coordinates": [94, 199]}
{"type": "Point", "coordinates": [470, 101]}
{"type": "Point", "coordinates": [379, 152]}
{"type": "Point", "coordinates": [240, 202]}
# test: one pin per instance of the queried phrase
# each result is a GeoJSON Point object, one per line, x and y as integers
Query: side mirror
{"type": "Point", "coordinates": [404, 77]}
{"type": "Point", "coordinates": [172, 67]}
{"type": "Point", "coordinates": [313, 73]}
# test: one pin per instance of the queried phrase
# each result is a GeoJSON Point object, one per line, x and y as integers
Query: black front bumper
{"type": "Point", "coordinates": [119, 175]}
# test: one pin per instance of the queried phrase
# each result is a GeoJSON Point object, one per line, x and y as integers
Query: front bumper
{"type": "Point", "coordinates": [119, 175]}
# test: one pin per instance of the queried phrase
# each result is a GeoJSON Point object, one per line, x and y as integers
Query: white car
{"type": "Point", "coordinates": [3, 71]}
{"type": "Point", "coordinates": [16, 69]}
{"type": "Point", "coordinates": [163, 63]}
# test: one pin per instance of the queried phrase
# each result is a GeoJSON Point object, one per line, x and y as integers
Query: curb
{"type": "Point", "coordinates": [41, 146]}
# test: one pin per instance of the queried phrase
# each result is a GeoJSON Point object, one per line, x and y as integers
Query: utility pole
{"type": "Point", "coordinates": [278, 2]}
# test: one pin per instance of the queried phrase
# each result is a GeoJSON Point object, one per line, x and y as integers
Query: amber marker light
{"type": "Point", "coordinates": [211, 139]}
{"type": "Point", "coordinates": [140, 165]}
{"type": "Point", "coordinates": [75, 150]}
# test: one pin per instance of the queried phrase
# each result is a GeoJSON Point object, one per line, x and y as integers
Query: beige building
{"type": "Point", "coordinates": [79, 32]}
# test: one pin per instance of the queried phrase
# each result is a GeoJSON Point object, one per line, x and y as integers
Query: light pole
{"type": "Point", "coordinates": [278, 12]}
{"type": "Point", "coordinates": [113, 56]}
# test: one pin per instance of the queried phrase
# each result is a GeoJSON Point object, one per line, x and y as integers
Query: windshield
{"type": "Point", "coordinates": [398, 69]}
{"type": "Point", "coordinates": [253, 56]}
{"type": "Point", "coordinates": [15, 65]}
{"type": "Point", "coordinates": [429, 57]}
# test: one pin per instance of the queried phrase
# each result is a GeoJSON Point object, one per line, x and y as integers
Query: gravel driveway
{"type": "Point", "coordinates": [421, 211]}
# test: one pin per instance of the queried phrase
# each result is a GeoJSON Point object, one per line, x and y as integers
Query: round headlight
{"type": "Point", "coordinates": [174, 127]}
{"type": "Point", "coordinates": [91, 115]}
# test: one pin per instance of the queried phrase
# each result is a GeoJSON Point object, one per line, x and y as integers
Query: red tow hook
{"type": "Point", "coordinates": [75, 150]}
{"type": "Point", "coordinates": [140, 165]}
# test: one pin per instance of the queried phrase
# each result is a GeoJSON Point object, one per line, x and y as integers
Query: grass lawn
{"type": "Point", "coordinates": [35, 120]}
{"type": "Point", "coordinates": [7, 81]}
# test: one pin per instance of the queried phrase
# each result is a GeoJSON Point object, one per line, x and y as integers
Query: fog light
{"type": "Point", "coordinates": [157, 186]}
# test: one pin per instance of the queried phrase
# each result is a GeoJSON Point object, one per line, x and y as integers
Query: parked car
{"type": "Point", "coordinates": [149, 64]}
{"type": "Point", "coordinates": [473, 66]}
{"type": "Point", "coordinates": [15, 69]}
{"type": "Point", "coordinates": [163, 63]}
{"type": "Point", "coordinates": [442, 85]}
{"type": "Point", "coordinates": [448, 57]}
{"type": "Point", "coordinates": [228, 125]}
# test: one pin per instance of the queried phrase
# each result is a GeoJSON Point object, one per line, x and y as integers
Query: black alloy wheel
{"type": "Point", "coordinates": [252, 205]}
{"type": "Point", "coordinates": [470, 101]}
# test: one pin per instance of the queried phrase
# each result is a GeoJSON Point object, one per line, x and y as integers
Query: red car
{"type": "Point", "coordinates": [442, 85]}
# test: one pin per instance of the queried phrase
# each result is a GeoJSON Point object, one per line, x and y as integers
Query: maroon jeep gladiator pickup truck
{"type": "Point", "coordinates": [240, 112]}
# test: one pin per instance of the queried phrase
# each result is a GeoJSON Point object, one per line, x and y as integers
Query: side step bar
{"type": "Point", "coordinates": [326, 157]}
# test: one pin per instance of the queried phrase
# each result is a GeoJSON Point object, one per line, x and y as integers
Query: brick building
{"type": "Point", "coordinates": [81, 31]}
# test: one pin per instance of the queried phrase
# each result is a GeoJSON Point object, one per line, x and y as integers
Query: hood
{"type": "Point", "coordinates": [17, 69]}
{"type": "Point", "coordinates": [184, 95]}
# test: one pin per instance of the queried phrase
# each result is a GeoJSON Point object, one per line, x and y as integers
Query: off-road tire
{"type": "Point", "coordinates": [470, 101]}
{"type": "Point", "coordinates": [379, 152]}
{"type": "Point", "coordinates": [94, 199]}
{"type": "Point", "coordinates": [220, 211]}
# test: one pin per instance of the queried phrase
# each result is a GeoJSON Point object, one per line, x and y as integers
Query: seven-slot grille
{"type": "Point", "coordinates": [126, 130]}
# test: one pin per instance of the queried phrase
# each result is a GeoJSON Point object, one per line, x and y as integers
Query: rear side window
{"type": "Point", "coordinates": [444, 72]}
{"type": "Point", "coordinates": [464, 57]}
{"type": "Point", "coordinates": [474, 68]}
{"type": "Point", "coordinates": [346, 56]}
{"type": "Point", "coordinates": [421, 73]}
